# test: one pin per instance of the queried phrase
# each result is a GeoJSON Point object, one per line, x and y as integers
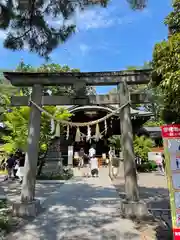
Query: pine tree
{"type": "Point", "coordinates": [34, 24]}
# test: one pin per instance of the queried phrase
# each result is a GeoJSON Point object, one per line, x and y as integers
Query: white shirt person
{"type": "Point", "coordinates": [92, 152]}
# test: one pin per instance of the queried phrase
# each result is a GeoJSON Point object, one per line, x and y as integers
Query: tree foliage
{"type": "Point", "coordinates": [142, 145]}
{"type": "Point", "coordinates": [115, 142]}
{"type": "Point", "coordinates": [6, 90]}
{"type": "Point", "coordinates": [173, 19]}
{"type": "Point", "coordinates": [17, 120]}
{"type": "Point", "coordinates": [152, 123]}
{"type": "Point", "coordinates": [166, 65]}
{"type": "Point", "coordinates": [43, 25]}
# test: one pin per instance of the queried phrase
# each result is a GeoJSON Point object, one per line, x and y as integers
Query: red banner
{"type": "Point", "coordinates": [171, 131]}
{"type": "Point", "coordinates": [176, 233]}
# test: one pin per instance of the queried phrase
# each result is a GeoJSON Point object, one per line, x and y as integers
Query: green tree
{"type": "Point", "coordinates": [166, 65]}
{"type": "Point", "coordinates": [115, 142]}
{"type": "Point", "coordinates": [6, 91]}
{"type": "Point", "coordinates": [173, 19]}
{"type": "Point", "coordinates": [142, 146]}
{"type": "Point", "coordinates": [152, 123]}
{"type": "Point", "coordinates": [16, 121]}
{"type": "Point", "coordinates": [31, 23]}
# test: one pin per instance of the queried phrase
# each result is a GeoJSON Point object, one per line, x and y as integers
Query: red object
{"type": "Point", "coordinates": [171, 131]}
{"type": "Point", "coordinates": [176, 233]}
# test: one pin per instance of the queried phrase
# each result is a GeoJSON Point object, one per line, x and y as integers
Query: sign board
{"type": "Point", "coordinates": [154, 156]}
{"type": "Point", "coordinates": [171, 139]}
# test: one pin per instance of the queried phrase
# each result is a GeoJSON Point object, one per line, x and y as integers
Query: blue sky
{"type": "Point", "coordinates": [106, 39]}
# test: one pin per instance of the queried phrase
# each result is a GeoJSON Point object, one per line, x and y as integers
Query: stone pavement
{"type": "Point", "coordinates": [83, 209]}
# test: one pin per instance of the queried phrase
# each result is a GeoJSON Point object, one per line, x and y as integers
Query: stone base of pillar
{"type": "Point", "coordinates": [135, 210]}
{"type": "Point", "coordinates": [31, 209]}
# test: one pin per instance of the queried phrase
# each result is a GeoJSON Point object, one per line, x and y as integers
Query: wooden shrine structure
{"type": "Point", "coordinates": [79, 81]}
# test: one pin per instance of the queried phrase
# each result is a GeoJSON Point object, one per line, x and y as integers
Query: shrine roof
{"type": "Point", "coordinates": [108, 109]}
{"type": "Point", "coordinates": [153, 129]}
{"type": "Point", "coordinates": [68, 78]}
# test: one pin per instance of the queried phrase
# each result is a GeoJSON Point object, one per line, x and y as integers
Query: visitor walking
{"type": "Point", "coordinates": [81, 158]}
{"type": "Point", "coordinates": [20, 171]}
{"type": "Point", "coordinates": [16, 166]}
{"type": "Point", "coordinates": [94, 166]}
{"type": "Point", "coordinates": [9, 165]}
{"type": "Point", "coordinates": [163, 162]}
{"type": "Point", "coordinates": [160, 163]}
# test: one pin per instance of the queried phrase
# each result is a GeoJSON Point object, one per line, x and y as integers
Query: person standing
{"type": "Point", "coordinates": [160, 163]}
{"type": "Point", "coordinates": [177, 163]}
{"type": "Point", "coordinates": [81, 158]}
{"type": "Point", "coordinates": [92, 152]}
{"type": "Point", "coordinates": [20, 171]}
{"type": "Point", "coordinates": [10, 164]}
{"type": "Point", "coordinates": [94, 166]}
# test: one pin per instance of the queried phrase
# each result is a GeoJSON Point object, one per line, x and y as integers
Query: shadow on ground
{"type": "Point", "coordinates": [153, 190]}
{"type": "Point", "coordinates": [12, 189]}
{"type": "Point", "coordinates": [82, 211]}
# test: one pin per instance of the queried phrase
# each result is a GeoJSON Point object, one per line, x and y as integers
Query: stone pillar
{"type": "Point", "coordinates": [131, 206]}
{"type": "Point", "coordinates": [131, 187]}
{"type": "Point", "coordinates": [28, 206]}
{"type": "Point", "coordinates": [30, 168]}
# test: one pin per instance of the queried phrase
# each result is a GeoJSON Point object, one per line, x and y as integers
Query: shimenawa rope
{"type": "Point", "coordinates": [76, 124]}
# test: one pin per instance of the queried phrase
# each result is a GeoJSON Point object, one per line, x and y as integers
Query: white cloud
{"type": "Point", "coordinates": [2, 35]}
{"type": "Point", "coordinates": [98, 17]}
{"type": "Point", "coordinates": [93, 19]}
{"type": "Point", "coordinates": [84, 48]}
{"type": "Point", "coordinates": [88, 19]}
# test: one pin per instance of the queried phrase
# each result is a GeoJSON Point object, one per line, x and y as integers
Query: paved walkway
{"type": "Point", "coordinates": [83, 209]}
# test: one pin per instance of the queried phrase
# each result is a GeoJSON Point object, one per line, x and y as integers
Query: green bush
{"type": "Point", "coordinates": [147, 166]}
{"type": "Point", "coordinates": [142, 145]}
{"type": "Point", "coordinates": [4, 218]}
{"type": "Point", "coordinates": [64, 176]}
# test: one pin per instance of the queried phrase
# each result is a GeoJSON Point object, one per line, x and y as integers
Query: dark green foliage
{"type": "Point", "coordinates": [173, 19]}
{"type": "Point", "coordinates": [4, 218]}
{"type": "Point", "coordinates": [137, 4]}
{"type": "Point", "coordinates": [64, 176]}
{"type": "Point", "coordinates": [147, 167]}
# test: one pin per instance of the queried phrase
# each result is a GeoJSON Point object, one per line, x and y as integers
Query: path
{"type": "Point", "coordinates": [83, 209]}
{"type": "Point", "coordinates": [12, 189]}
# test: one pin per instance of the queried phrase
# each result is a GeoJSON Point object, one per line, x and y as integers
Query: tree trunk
{"type": "Point", "coordinates": [30, 168]}
{"type": "Point", "coordinates": [131, 187]}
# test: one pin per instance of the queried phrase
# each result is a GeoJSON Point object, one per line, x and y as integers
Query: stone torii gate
{"type": "Point", "coordinates": [28, 204]}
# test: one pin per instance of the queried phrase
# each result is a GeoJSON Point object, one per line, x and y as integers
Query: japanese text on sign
{"type": "Point", "coordinates": [170, 131]}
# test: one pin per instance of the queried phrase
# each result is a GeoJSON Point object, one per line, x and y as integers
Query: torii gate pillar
{"type": "Point", "coordinates": [28, 205]}
{"type": "Point", "coordinates": [131, 206]}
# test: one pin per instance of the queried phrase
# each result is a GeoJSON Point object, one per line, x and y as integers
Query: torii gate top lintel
{"type": "Point", "coordinates": [28, 79]}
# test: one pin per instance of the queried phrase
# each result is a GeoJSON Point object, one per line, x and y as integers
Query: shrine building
{"type": "Point", "coordinates": [88, 113]}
